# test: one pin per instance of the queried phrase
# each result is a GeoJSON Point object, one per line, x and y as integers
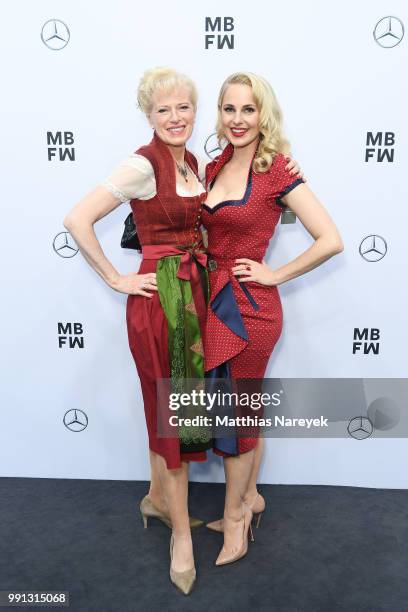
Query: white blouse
{"type": "Point", "coordinates": [134, 178]}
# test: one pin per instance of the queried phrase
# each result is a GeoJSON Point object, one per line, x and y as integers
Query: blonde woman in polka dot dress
{"type": "Point", "coordinates": [247, 185]}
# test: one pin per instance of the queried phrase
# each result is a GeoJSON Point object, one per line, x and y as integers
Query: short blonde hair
{"type": "Point", "coordinates": [165, 79]}
{"type": "Point", "coordinates": [272, 139]}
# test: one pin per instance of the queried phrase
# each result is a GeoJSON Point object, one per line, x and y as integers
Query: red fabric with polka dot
{"type": "Point", "coordinates": [237, 230]}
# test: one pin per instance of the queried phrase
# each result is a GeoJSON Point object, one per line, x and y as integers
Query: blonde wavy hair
{"type": "Point", "coordinates": [165, 79]}
{"type": "Point", "coordinates": [272, 140]}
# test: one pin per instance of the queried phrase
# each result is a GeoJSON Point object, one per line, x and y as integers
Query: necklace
{"type": "Point", "coordinates": [182, 170]}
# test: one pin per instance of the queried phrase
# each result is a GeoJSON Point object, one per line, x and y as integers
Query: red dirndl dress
{"type": "Point", "coordinates": [244, 320]}
{"type": "Point", "coordinates": [168, 230]}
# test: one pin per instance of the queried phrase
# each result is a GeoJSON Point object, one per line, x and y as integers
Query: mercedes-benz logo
{"type": "Point", "coordinates": [389, 32]}
{"type": "Point", "coordinates": [75, 420]}
{"type": "Point", "coordinates": [360, 427]}
{"type": "Point", "coordinates": [373, 248]}
{"type": "Point", "coordinates": [64, 245]}
{"type": "Point", "coordinates": [212, 146]}
{"type": "Point", "coordinates": [55, 34]}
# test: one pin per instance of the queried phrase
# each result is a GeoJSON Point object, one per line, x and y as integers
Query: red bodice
{"type": "Point", "coordinates": [167, 218]}
{"type": "Point", "coordinates": [242, 229]}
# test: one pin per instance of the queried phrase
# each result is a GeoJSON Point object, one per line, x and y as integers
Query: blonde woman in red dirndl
{"type": "Point", "coordinates": [166, 303]}
{"type": "Point", "coordinates": [247, 185]}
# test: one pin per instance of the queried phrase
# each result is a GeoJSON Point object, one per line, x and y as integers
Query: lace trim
{"type": "Point", "coordinates": [116, 192]}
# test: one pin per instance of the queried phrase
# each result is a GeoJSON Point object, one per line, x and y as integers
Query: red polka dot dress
{"type": "Point", "coordinates": [244, 320]}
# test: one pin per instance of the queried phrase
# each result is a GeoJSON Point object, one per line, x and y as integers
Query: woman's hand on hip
{"type": "Point", "coordinates": [248, 270]}
{"type": "Point", "coordinates": [136, 284]}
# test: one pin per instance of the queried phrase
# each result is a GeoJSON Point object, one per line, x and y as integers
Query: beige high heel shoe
{"type": "Point", "coordinates": [257, 507]}
{"type": "Point", "coordinates": [223, 558]}
{"type": "Point", "coordinates": [149, 510]}
{"type": "Point", "coordinates": [184, 581]}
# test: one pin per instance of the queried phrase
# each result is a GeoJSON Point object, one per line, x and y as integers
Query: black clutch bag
{"type": "Point", "coordinates": [130, 239]}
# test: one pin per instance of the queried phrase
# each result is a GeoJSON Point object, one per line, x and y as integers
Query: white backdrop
{"type": "Point", "coordinates": [335, 83]}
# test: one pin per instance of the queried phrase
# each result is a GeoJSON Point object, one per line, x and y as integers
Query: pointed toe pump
{"type": "Point", "coordinates": [149, 510]}
{"type": "Point", "coordinates": [257, 507]}
{"type": "Point", "coordinates": [225, 556]}
{"type": "Point", "coordinates": [184, 581]}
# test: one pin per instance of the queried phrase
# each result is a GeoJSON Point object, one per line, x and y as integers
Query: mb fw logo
{"type": "Point", "coordinates": [70, 335]}
{"type": "Point", "coordinates": [223, 26]}
{"type": "Point", "coordinates": [380, 146]}
{"type": "Point", "coordinates": [60, 146]}
{"type": "Point", "coordinates": [366, 340]}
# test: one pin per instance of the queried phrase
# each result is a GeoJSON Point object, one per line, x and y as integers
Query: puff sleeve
{"type": "Point", "coordinates": [132, 178]}
{"type": "Point", "coordinates": [282, 182]}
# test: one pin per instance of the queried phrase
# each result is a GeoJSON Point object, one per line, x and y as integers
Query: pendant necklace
{"type": "Point", "coordinates": [182, 170]}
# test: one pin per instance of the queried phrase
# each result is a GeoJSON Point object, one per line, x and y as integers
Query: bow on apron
{"type": "Point", "coordinates": [182, 284]}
